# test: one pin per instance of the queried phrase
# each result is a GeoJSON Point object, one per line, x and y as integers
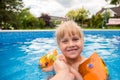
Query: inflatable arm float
{"type": "Point", "coordinates": [93, 68]}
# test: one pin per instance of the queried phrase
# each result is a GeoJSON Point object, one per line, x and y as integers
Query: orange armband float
{"type": "Point", "coordinates": [48, 59]}
{"type": "Point", "coordinates": [93, 68]}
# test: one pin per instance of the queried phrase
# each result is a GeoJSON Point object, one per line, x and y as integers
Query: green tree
{"type": "Point", "coordinates": [96, 21]}
{"type": "Point", "coordinates": [71, 14]}
{"type": "Point", "coordinates": [25, 18]}
{"type": "Point", "coordinates": [82, 15]}
{"type": "Point", "coordinates": [41, 23]}
{"type": "Point", "coordinates": [114, 2]}
{"type": "Point", "coordinates": [79, 15]}
{"type": "Point", "coordinates": [8, 12]}
{"type": "Point", "coordinates": [106, 16]}
{"type": "Point", "coordinates": [46, 18]}
{"type": "Point", "coordinates": [93, 22]}
{"type": "Point", "coordinates": [28, 21]}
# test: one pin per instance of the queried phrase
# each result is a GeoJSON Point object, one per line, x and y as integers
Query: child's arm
{"type": "Point", "coordinates": [62, 71]}
{"type": "Point", "coordinates": [50, 68]}
{"type": "Point", "coordinates": [63, 75]}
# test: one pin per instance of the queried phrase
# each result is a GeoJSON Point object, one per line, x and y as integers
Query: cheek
{"type": "Point", "coordinates": [80, 45]}
{"type": "Point", "coordinates": [62, 47]}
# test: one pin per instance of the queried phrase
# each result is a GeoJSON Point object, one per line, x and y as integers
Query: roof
{"type": "Point", "coordinates": [114, 9]}
{"type": "Point", "coordinates": [101, 10]}
{"type": "Point", "coordinates": [58, 18]}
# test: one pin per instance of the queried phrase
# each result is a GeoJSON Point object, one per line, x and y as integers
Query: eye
{"type": "Point", "coordinates": [75, 39]}
{"type": "Point", "coordinates": [64, 41]}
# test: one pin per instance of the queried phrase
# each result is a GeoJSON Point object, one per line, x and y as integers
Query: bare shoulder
{"type": "Point", "coordinates": [83, 60]}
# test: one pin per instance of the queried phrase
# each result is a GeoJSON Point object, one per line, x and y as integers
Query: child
{"type": "Point", "coordinates": [70, 41]}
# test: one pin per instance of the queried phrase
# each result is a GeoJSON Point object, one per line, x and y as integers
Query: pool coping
{"type": "Point", "coordinates": [23, 30]}
{"type": "Point", "coordinates": [54, 30]}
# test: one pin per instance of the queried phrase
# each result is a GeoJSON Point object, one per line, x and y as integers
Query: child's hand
{"type": "Point", "coordinates": [61, 57]}
{"type": "Point", "coordinates": [62, 71]}
{"type": "Point", "coordinates": [60, 65]}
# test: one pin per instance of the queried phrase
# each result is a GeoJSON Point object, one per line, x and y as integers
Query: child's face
{"type": "Point", "coordinates": [71, 46]}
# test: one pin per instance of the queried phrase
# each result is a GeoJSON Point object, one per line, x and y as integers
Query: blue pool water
{"type": "Point", "coordinates": [20, 52]}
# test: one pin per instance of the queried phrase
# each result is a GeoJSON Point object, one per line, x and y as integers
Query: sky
{"type": "Point", "coordinates": [61, 7]}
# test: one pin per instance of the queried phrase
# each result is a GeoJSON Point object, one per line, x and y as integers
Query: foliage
{"type": "Point", "coordinates": [106, 16]}
{"type": "Point", "coordinates": [28, 21]}
{"type": "Point", "coordinates": [71, 14]}
{"type": "Point", "coordinates": [9, 9]}
{"type": "Point", "coordinates": [114, 27]}
{"type": "Point", "coordinates": [99, 20]}
{"type": "Point", "coordinates": [96, 21]}
{"type": "Point", "coordinates": [46, 18]}
{"type": "Point", "coordinates": [55, 22]}
{"type": "Point", "coordinates": [79, 15]}
{"type": "Point", "coordinates": [41, 23]}
{"type": "Point", "coordinates": [114, 2]}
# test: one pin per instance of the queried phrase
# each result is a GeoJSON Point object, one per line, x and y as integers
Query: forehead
{"type": "Point", "coordinates": [67, 35]}
{"type": "Point", "coordinates": [70, 33]}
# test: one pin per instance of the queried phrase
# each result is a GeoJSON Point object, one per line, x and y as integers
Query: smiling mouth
{"type": "Point", "coordinates": [72, 49]}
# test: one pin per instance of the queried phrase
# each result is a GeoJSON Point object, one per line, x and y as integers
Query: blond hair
{"type": "Point", "coordinates": [69, 27]}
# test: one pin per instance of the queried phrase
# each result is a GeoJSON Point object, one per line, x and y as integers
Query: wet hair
{"type": "Point", "coordinates": [69, 27]}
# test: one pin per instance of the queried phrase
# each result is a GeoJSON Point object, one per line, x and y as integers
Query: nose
{"type": "Point", "coordinates": [71, 43]}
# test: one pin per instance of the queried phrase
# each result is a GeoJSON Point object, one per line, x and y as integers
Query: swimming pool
{"type": "Point", "coordinates": [20, 52]}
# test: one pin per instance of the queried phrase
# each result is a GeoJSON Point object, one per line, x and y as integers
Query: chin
{"type": "Point", "coordinates": [73, 57]}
